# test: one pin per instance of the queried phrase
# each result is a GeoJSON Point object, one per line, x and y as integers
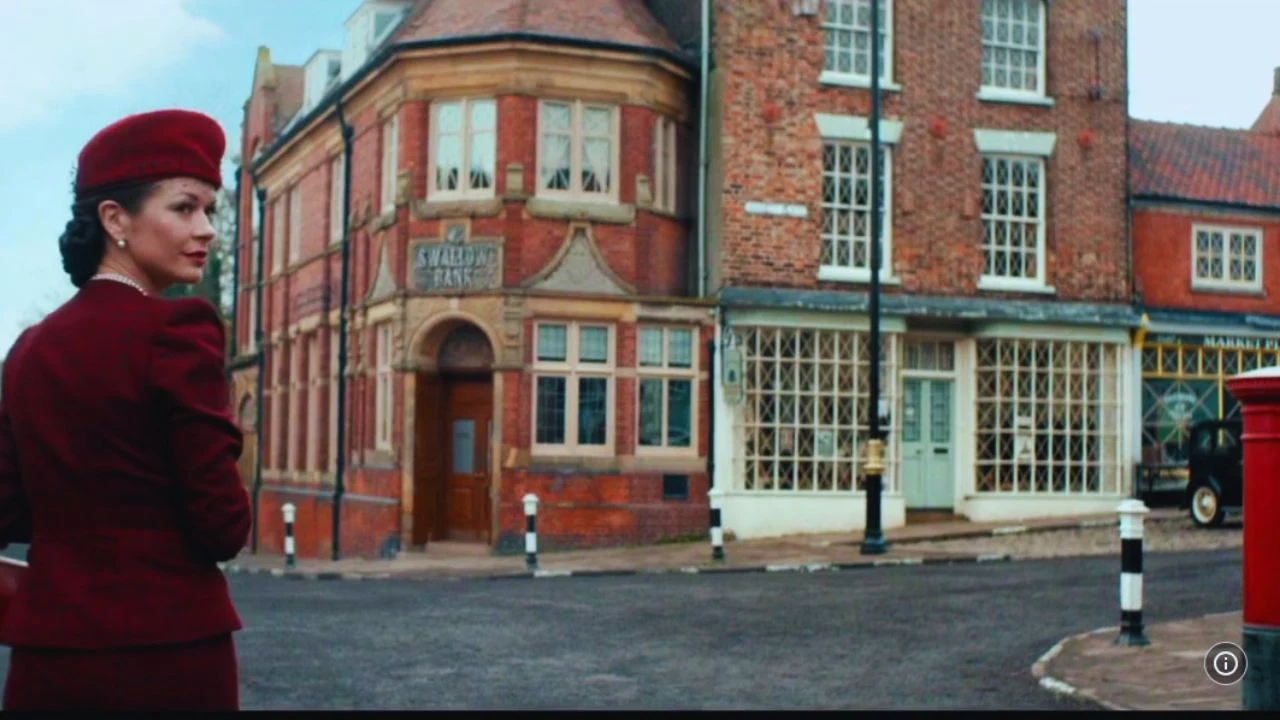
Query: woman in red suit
{"type": "Point", "coordinates": [117, 447]}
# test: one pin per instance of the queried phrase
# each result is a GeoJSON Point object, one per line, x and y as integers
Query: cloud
{"type": "Point", "coordinates": [56, 51]}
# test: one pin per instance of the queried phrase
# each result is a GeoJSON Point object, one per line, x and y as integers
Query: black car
{"type": "Point", "coordinates": [1215, 483]}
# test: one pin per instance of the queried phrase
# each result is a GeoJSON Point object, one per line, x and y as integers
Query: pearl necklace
{"type": "Point", "coordinates": [120, 279]}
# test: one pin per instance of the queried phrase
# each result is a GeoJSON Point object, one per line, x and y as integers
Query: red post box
{"type": "Point", "coordinates": [1259, 394]}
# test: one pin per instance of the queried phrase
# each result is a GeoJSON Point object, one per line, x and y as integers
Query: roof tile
{"type": "Point", "coordinates": [1205, 164]}
{"type": "Point", "coordinates": [625, 22]}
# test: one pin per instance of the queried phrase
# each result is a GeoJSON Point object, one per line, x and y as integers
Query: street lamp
{"type": "Point", "coordinates": [873, 543]}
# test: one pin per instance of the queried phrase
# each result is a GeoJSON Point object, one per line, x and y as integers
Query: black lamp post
{"type": "Point", "coordinates": [873, 467]}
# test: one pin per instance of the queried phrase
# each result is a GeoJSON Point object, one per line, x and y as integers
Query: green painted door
{"type": "Point", "coordinates": [928, 470]}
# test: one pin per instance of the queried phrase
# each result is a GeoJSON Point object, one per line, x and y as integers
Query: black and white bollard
{"type": "Point", "coordinates": [1131, 518]}
{"type": "Point", "coordinates": [289, 511]}
{"type": "Point", "coordinates": [717, 531]}
{"type": "Point", "coordinates": [531, 532]}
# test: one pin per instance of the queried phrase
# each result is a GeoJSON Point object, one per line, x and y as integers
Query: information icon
{"type": "Point", "coordinates": [1225, 663]}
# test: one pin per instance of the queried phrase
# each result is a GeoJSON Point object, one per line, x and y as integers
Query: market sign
{"type": "Point", "coordinates": [1222, 342]}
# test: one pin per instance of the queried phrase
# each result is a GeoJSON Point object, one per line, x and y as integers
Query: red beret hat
{"type": "Point", "coordinates": [152, 146]}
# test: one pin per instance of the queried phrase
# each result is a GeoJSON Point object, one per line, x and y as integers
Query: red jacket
{"type": "Point", "coordinates": [118, 461]}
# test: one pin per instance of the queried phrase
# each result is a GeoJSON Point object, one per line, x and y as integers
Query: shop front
{"type": "Point", "coordinates": [1184, 371]}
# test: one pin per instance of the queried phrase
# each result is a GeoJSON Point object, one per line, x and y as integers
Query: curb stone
{"type": "Point", "coordinates": [1040, 668]}
{"type": "Point", "coordinates": [1024, 530]}
{"type": "Point", "coordinates": [238, 569]}
{"type": "Point", "coordinates": [1040, 671]}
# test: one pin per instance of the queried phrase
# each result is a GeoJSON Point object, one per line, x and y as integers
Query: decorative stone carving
{"type": "Point", "coordinates": [578, 268]}
{"type": "Point", "coordinates": [465, 348]}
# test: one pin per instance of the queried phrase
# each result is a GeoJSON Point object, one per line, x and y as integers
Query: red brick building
{"type": "Point", "coordinates": [502, 188]}
{"type": "Point", "coordinates": [1206, 248]}
{"type": "Point", "coordinates": [1007, 308]}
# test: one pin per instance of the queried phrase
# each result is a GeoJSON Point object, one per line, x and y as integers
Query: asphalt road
{"type": "Point", "coordinates": [909, 637]}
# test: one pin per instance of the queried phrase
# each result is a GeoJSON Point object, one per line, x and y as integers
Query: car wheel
{"type": "Point", "coordinates": [1206, 507]}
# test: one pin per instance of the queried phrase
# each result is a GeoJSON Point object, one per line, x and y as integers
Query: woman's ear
{"type": "Point", "coordinates": [114, 220]}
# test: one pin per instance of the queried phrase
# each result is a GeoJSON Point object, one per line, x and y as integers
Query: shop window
{"type": "Point", "coordinates": [805, 415]}
{"type": "Point", "coordinates": [1048, 419]}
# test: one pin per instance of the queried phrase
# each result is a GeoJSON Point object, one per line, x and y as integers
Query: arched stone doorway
{"type": "Point", "coordinates": [454, 428]}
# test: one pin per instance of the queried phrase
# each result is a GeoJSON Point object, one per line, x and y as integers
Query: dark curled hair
{"type": "Point", "coordinates": [84, 241]}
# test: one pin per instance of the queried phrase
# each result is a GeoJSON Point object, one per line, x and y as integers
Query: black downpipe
{"type": "Point", "coordinates": [235, 279]}
{"type": "Point", "coordinates": [340, 464]}
{"type": "Point", "coordinates": [262, 356]}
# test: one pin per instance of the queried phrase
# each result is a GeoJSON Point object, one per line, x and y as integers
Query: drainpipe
{"type": "Point", "coordinates": [340, 463]}
{"type": "Point", "coordinates": [703, 93]}
{"type": "Point", "coordinates": [235, 277]}
{"type": "Point", "coordinates": [261, 193]}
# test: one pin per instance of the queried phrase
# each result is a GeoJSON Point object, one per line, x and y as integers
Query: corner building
{"type": "Point", "coordinates": [1007, 293]}
{"type": "Point", "coordinates": [513, 200]}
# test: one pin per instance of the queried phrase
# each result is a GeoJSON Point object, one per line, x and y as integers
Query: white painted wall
{"type": "Point", "coordinates": [774, 514]}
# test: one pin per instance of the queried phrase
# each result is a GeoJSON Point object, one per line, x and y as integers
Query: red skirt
{"type": "Point", "coordinates": [201, 675]}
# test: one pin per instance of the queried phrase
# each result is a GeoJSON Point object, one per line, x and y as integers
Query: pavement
{"type": "Point", "coordinates": [1168, 674]}
{"type": "Point", "coordinates": [914, 544]}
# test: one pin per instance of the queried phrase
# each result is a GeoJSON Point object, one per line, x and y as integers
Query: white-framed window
{"type": "Point", "coordinates": [573, 388]}
{"type": "Point", "coordinates": [337, 168]}
{"type": "Point", "coordinates": [1226, 258]}
{"type": "Point", "coordinates": [847, 30]}
{"type": "Point", "coordinates": [383, 400]}
{"type": "Point", "coordinates": [390, 162]}
{"type": "Point", "coordinates": [846, 206]}
{"type": "Point", "coordinates": [577, 150]}
{"type": "Point", "coordinates": [255, 210]}
{"type": "Point", "coordinates": [806, 409]}
{"type": "Point", "coordinates": [296, 387]}
{"type": "Point", "coordinates": [666, 383]}
{"type": "Point", "coordinates": [278, 238]}
{"type": "Point", "coordinates": [464, 148]}
{"type": "Point", "coordinates": [333, 398]}
{"type": "Point", "coordinates": [314, 382]}
{"type": "Point", "coordinates": [664, 165]}
{"type": "Point", "coordinates": [277, 440]}
{"type": "Point", "coordinates": [295, 224]}
{"type": "Point", "coordinates": [251, 341]}
{"type": "Point", "coordinates": [1013, 47]}
{"type": "Point", "coordinates": [1013, 219]}
{"type": "Point", "coordinates": [1049, 418]}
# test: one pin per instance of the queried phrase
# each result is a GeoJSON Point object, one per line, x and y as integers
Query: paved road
{"type": "Point", "coordinates": [922, 637]}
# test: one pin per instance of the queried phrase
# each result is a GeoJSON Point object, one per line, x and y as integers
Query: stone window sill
{"type": "Point", "coordinates": [615, 213]}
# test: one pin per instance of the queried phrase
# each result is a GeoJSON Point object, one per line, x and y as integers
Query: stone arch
{"type": "Point", "coordinates": [457, 333]}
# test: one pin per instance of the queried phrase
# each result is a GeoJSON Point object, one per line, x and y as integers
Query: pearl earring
{"type": "Point", "coordinates": [120, 242]}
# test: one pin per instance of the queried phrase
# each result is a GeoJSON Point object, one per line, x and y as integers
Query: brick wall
{"type": "Point", "coordinates": [1162, 257]}
{"type": "Point", "coordinates": [767, 55]}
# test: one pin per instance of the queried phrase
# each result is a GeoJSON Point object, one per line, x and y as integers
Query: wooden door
{"type": "Point", "coordinates": [468, 419]}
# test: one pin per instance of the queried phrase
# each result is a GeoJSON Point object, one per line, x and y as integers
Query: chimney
{"type": "Point", "coordinates": [1276, 88]}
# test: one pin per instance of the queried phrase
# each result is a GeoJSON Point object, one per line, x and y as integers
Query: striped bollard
{"type": "Point", "coordinates": [717, 531]}
{"type": "Point", "coordinates": [289, 511]}
{"type": "Point", "coordinates": [1131, 517]}
{"type": "Point", "coordinates": [531, 532]}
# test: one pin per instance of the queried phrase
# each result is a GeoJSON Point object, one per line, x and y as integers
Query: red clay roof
{"type": "Point", "coordinates": [624, 22]}
{"type": "Point", "coordinates": [1204, 164]}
